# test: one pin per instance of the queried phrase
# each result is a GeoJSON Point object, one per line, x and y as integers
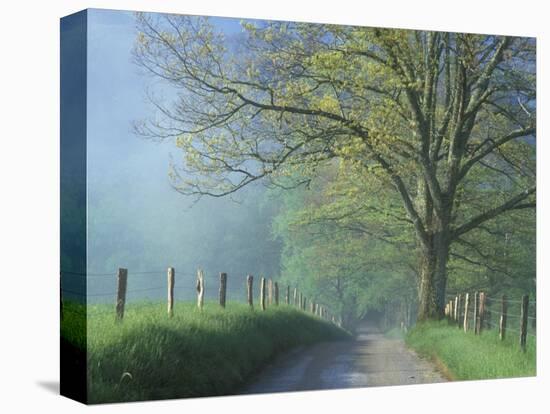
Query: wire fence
{"type": "Point", "coordinates": [149, 285]}
{"type": "Point", "coordinates": [117, 289]}
{"type": "Point", "coordinates": [477, 312]}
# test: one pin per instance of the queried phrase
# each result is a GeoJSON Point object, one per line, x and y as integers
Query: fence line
{"type": "Point", "coordinates": [458, 309]}
{"type": "Point", "coordinates": [452, 295]}
{"type": "Point", "coordinates": [513, 301]}
{"type": "Point", "coordinates": [269, 295]}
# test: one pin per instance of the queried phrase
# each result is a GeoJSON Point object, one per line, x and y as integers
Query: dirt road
{"type": "Point", "coordinates": [370, 360]}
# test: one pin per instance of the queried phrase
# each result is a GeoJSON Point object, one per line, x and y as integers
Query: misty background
{"type": "Point", "coordinates": [136, 220]}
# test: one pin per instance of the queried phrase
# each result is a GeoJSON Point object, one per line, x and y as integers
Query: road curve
{"type": "Point", "coordinates": [371, 359]}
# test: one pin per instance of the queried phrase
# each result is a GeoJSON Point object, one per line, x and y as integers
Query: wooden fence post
{"type": "Point", "coordinates": [481, 313]}
{"type": "Point", "coordinates": [276, 293]}
{"type": "Point", "coordinates": [171, 281]}
{"type": "Point", "coordinates": [295, 301]}
{"type": "Point", "coordinates": [250, 290]}
{"type": "Point", "coordinates": [523, 326]}
{"type": "Point", "coordinates": [262, 293]}
{"type": "Point", "coordinates": [503, 318]}
{"type": "Point", "coordinates": [459, 311]}
{"type": "Point", "coordinates": [122, 283]}
{"type": "Point", "coordinates": [223, 288]}
{"type": "Point", "coordinates": [269, 291]}
{"type": "Point", "coordinates": [301, 301]}
{"type": "Point", "coordinates": [455, 309]}
{"type": "Point", "coordinates": [475, 316]}
{"type": "Point", "coordinates": [466, 304]}
{"type": "Point", "coordinates": [200, 288]}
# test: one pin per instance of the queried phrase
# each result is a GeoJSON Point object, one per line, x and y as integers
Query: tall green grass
{"type": "Point", "coordinates": [195, 353]}
{"type": "Point", "coordinates": [467, 356]}
{"type": "Point", "coordinates": [73, 324]}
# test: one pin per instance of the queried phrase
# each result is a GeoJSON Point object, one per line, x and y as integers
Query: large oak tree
{"type": "Point", "coordinates": [430, 113]}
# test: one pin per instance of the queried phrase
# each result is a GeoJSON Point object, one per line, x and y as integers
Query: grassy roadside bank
{"type": "Point", "coordinates": [213, 352]}
{"type": "Point", "coordinates": [467, 356]}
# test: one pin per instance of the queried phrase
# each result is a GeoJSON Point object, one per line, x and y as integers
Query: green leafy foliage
{"type": "Point", "coordinates": [415, 138]}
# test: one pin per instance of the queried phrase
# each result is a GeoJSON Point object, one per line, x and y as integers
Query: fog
{"type": "Point", "coordinates": [135, 219]}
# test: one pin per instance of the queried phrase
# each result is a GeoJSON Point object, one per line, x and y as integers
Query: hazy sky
{"type": "Point", "coordinates": [135, 218]}
{"type": "Point", "coordinates": [116, 97]}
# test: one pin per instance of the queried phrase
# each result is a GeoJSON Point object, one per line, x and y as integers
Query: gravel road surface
{"type": "Point", "coordinates": [370, 360]}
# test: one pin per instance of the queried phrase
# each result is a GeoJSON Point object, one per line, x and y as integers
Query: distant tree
{"type": "Point", "coordinates": [446, 120]}
{"type": "Point", "coordinates": [498, 258]}
{"type": "Point", "coordinates": [353, 249]}
{"type": "Point", "coordinates": [340, 252]}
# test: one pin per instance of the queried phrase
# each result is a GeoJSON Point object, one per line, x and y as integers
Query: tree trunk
{"type": "Point", "coordinates": [433, 276]}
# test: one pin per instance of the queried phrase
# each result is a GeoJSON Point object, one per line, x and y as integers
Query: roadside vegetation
{"type": "Point", "coordinates": [395, 333]}
{"type": "Point", "coordinates": [213, 352]}
{"type": "Point", "coordinates": [73, 324]}
{"type": "Point", "coordinates": [465, 356]}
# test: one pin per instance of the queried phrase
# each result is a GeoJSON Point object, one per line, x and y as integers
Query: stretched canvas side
{"type": "Point", "coordinates": [73, 32]}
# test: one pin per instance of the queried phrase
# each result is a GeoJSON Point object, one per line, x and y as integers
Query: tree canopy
{"type": "Point", "coordinates": [426, 137]}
